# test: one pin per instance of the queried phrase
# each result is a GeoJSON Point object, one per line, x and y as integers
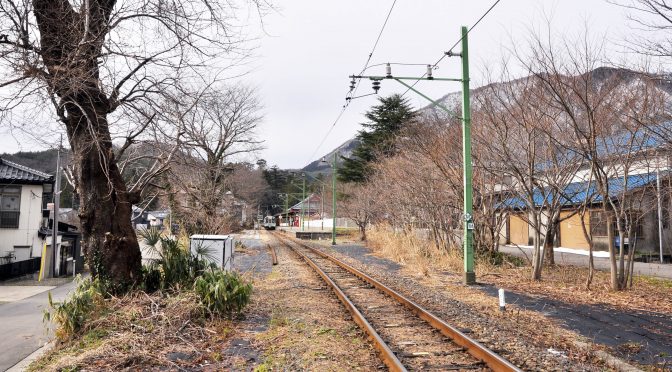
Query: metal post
{"type": "Point", "coordinates": [57, 204]}
{"type": "Point", "coordinates": [469, 274]}
{"type": "Point", "coordinates": [660, 215]}
{"type": "Point", "coordinates": [322, 208]}
{"type": "Point", "coordinates": [333, 202]}
{"type": "Point", "coordinates": [308, 210]}
{"type": "Point", "coordinates": [303, 202]}
{"type": "Point", "coordinates": [287, 209]}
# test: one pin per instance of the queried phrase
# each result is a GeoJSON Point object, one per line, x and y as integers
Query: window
{"type": "Point", "coordinates": [10, 205]}
{"type": "Point", "coordinates": [598, 224]}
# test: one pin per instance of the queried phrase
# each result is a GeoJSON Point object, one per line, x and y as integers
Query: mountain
{"type": "Point", "coordinates": [344, 150]}
{"type": "Point", "coordinates": [454, 100]}
{"type": "Point", "coordinates": [43, 161]}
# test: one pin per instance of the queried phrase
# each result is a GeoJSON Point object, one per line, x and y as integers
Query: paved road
{"type": "Point", "coordinates": [21, 326]}
{"type": "Point", "coordinates": [570, 259]}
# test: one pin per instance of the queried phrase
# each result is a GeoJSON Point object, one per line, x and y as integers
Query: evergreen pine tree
{"type": "Point", "coordinates": [377, 138]}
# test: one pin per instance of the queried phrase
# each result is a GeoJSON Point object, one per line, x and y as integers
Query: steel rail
{"type": "Point", "coordinates": [274, 256]}
{"type": "Point", "coordinates": [387, 355]}
{"type": "Point", "coordinates": [473, 347]}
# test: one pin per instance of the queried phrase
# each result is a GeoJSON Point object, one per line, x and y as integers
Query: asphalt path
{"type": "Point", "coordinates": [22, 328]}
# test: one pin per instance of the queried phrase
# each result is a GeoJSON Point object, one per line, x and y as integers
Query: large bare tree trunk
{"type": "Point", "coordinates": [71, 47]}
{"type": "Point", "coordinates": [110, 244]}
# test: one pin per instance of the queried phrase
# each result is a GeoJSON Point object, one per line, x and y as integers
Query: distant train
{"type": "Point", "coordinates": [269, 223]}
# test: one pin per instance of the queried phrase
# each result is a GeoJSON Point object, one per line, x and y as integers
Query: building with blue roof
{"type": "Point", "coordinates": [648, 163]}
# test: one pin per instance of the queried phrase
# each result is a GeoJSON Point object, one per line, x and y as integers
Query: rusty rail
{"type": "Point", "coordinates": [274, 256]}
{"type": "Point", "coordinates": [473, 347]}
{"type": "Point", "coordinates": [387, 355]}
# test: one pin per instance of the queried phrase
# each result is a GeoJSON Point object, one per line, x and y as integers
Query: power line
{"type": "Point", "coordinates": [456, 44]}
{"type": "Point", "coordinates": [352, 92]}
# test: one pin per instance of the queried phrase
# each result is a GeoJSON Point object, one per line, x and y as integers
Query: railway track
{"type": "Point", "coordinates": [406, 336]}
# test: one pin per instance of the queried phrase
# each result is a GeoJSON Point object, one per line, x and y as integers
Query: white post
{"type": "Point", "coordinates": [502, 300]}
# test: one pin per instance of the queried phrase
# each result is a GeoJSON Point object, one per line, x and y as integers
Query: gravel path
{"type": "Point", "coordinates": [294, 322]}
{"type": "Point", "coordinates": [254, 256]}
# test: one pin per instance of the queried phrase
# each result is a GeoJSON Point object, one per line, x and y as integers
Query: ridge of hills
{"type": "Point", "coordinates": [454, 100]}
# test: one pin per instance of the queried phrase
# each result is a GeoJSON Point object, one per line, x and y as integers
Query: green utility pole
{"type": "Point", "coordinates": [287, 208]}
{"type": "Point", "coordinates": [303, 202]}
{"type": "Point", "coordinates": [333, 202]}
{"type": "Point", "coordinates": [469, 274]}
{"type": "Point", "coordinates": [468, 241]}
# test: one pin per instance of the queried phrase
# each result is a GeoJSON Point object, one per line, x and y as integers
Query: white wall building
{"type": "Point", "coordinates": [24, 193]}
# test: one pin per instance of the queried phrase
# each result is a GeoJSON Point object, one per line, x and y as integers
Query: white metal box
{"type": "Point", "coordinates": [217, 249]}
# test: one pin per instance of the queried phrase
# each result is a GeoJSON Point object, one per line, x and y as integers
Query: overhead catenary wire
{"type": "Point", "coordinates": [350, 94]}
{"type": "Point", "coordinates": [444, 55]}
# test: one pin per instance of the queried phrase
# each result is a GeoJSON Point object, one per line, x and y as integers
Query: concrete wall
{"type": "Point", "coordinates": [30, 219]}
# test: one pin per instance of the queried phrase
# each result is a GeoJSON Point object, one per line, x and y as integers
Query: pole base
{"type": "Point", "coordinates": [470, 278]}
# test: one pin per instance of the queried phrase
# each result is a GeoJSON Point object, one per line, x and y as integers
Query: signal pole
{"type": "Point", "coordinates": [468, 226]}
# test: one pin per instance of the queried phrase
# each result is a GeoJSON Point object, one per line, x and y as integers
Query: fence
{"type": "Point", "coordinates": [326, 223]}
{"type": "Point", "coordinates": [19, 268]}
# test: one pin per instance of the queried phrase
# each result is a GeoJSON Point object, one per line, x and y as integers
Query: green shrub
{"type": "Point", "coordinates": [223, 293]}
{"type": "Point", "coordinates": [499, 259]}
{"type": "Point", "coordinates": [151, 278]}
{"type": "Point", "coordinates": [176, 267]}
{"type": "Point", "coordinates": [71, 314]}
{"type": "Point", "coordinates": [151, 236]}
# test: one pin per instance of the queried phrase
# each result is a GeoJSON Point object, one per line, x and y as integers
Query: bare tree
{"type": "Point", "coordinates": [359, 203]}
{"type": "Point", "coordinates": [95, 61]}
{"type": "Point", "coordinates": [596, 106]}
{"type": "Point", "coordinates": [516, 139]}
{"type": "Point", "coordinates": [219, 127]}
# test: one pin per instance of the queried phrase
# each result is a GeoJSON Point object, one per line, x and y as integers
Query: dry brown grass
{"type": "Point", "coordinates": [569, 284]}
{"type": "Point", "coordinates": [562, 282]}
{"type": "Point", "coordinates": [413, 252]}
{"type": "Point", "coordinates": [139, 331]}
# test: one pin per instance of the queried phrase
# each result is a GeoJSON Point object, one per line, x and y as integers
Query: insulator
{"type": "Point", "coordinates": [376, 86]}
{"type": "Point", "coordinates": [429, 72]}
{"type": "Point", "coordinates": [388, 70]}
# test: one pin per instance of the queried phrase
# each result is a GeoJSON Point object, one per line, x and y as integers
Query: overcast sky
{"type": "Point", "coordinates": [304, 68]}
{"type": "Point", "coordinates": [312, 46]}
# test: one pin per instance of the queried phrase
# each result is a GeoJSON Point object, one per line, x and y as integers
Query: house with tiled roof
{"type": "Point", "coordinates": [24, 194]}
